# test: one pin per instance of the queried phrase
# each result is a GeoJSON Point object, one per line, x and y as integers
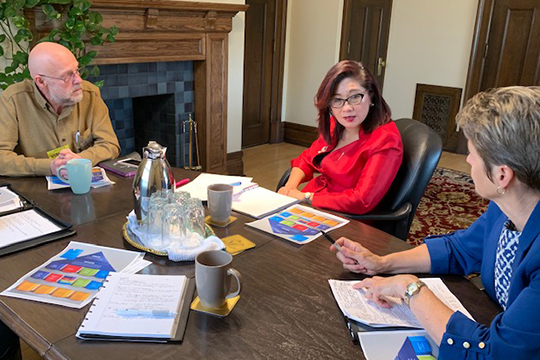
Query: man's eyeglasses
{"type": "Point", "coordinates": [66, 79]}
{"type": "Point", "coordinates": [355, 99]}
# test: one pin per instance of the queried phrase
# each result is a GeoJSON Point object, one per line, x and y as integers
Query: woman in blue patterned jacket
{"type": "Point", "coordinates": [503, 131]}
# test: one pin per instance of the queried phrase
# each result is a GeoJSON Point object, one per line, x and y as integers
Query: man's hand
{"type": "Point", "coordinates": [62, 159]}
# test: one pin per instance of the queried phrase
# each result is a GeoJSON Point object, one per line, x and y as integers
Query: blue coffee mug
{"type": "Point", "coordinates": [79, 172]}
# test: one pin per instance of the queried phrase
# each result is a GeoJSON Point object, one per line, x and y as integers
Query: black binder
{"type": "Point", "coordinates": [66, 229]}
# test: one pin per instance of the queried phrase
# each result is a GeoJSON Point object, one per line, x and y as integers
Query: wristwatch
{"type": "Point", "coordinates": [413, 289]}
{"type": "Point", "coordinates": [307, 197]}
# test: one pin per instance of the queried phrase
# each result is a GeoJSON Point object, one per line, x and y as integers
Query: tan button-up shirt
{"type": "Point", "coordinates": [29, 127]}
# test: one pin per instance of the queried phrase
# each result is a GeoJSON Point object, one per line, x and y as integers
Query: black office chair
{"type": "Point", "coordinates": [422, 149]}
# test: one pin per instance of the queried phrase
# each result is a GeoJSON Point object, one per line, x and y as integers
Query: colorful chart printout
{"type": "Point", "coordinates": [73, 277]}
{"type": "Point", "coordinates": [299, 224]}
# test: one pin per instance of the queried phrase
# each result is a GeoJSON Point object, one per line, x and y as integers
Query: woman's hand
{"type": "Point", "coordinates": [378, 288]}
{"type": "Point", "coordinates": [285, 190]}
{"type": "Point", "coordinates": [357, 258]}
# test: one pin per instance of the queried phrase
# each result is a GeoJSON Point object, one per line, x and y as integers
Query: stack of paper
{"type": "Point", "coordinates": [8, 200]}
{"type": "Point", "coordinates": [99, 179]}
{"type": "Point", "coordinates": [355, 306]}
{"type": "Point", "coordinates": [73, 277]}
{"type": "Point", "coordinates": [197, 188]}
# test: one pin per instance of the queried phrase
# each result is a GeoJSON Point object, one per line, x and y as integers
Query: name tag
{"type": "Point", "coordinates": [53, 154]}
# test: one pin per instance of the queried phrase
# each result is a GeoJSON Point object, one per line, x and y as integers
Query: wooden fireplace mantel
{"type": "Point", "coordinates": [169, 30]}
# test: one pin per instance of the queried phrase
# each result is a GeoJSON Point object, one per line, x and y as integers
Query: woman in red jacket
{"type": "Point", "coordinates": [359, 149]}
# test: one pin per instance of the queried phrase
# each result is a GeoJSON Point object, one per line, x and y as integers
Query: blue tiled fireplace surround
{"type": "Point", "coordinates": [149, 101]}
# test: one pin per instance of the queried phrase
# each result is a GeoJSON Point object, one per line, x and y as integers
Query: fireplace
{"type": "Point", "coordinates": [163, 31]}
{"type": "Point", "coordinates": [150, 101]}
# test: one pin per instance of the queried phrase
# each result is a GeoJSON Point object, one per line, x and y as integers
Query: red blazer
{"type": "Point", "coordinates": [353, 178]}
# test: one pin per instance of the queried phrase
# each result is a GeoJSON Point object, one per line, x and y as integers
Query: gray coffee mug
{"type": "Point", "coordinates": [213, 274]}
{"type": "Point", "coordinates": [220, 202]}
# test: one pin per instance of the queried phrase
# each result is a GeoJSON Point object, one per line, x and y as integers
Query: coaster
{"type": "Point", "coordinates": [210, 222]}
{"type": "Point", "coordinates": [222, 311]}
{"type": "Point", "coordinates": [235, 244]}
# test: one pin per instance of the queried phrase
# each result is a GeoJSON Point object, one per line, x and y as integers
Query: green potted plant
{"type": "Point", "coordinates": [74, 25]}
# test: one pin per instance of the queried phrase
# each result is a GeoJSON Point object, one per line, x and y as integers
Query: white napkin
{"type": "Point", "coordinates": [173, 250]}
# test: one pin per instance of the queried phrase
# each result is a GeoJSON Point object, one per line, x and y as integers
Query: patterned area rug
{"type": "Point", "coordinates": [449, 203]}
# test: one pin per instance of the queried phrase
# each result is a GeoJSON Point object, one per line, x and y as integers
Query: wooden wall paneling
{"type": "Point", "coordinates": [299, 134]}
{"type": "Point", "coordinates": [211, 103]}
{"type": "Point", "coordinates": [276, 125]}
{"type": "Point", "coordinates": [476, 62]}
{"type": "Point", "coordinates": [235, 163]}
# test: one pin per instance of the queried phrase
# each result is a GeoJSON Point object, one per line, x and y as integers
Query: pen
{"type": "Point", "coordinates": [329, 238]}
{"type": "Point", "coordinates": [151, 313]}
{"type": "Point", "coordinates": [182, 182]}
{"type": "Point", "coordinates": [236, 197]}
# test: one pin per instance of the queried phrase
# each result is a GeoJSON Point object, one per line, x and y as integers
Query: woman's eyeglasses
{"type": "Point", "coordinates": [355, 99]}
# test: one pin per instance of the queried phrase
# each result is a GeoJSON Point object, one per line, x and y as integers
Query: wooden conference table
{"type": "Point", "coordinates": [286, 309]}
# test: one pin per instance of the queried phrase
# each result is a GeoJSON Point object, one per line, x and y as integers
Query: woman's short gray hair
{"type": "Point", "coordinates": [504, 126]}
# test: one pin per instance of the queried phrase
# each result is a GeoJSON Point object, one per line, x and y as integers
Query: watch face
{"type": "Point", "coordinates": [412, 288]}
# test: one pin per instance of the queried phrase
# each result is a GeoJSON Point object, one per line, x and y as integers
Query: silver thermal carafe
{"type": "Point", "coordinates": [154, 174]}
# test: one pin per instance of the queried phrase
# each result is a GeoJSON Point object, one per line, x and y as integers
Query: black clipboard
{"type": "Point", "coordinates": [66, 229]}
{"type": "Point", "coordinates": [180, 330]}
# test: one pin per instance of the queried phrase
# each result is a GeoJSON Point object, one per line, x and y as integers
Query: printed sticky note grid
{"type": "Point", "coordinates": [64, 281]}
{"type": "Point", "coordinates": [299, 224]}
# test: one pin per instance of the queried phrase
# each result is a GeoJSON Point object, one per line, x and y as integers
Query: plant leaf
{"type": "Point", "coordinates": [99, 83]}
{"type": "Point", "coordinates": [96, 41]}
{"type": "Point", "coordinates": [31, 3]}
{"type": "Point", "coordinates": [85, 60]}
{"type": "Point", "coordinates": [110, 38]}
{"type": "Point", "coordinates": [2, 38]}
{"type": "Point", "coordinates": [18, 4]}
{"type": "Point", "coordinates": [113, 30]}
{"type": "Point", "coordinates": [95, 71]}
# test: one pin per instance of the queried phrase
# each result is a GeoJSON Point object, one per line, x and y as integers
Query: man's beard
{"type": "Point", "coordinates": [72, 100]}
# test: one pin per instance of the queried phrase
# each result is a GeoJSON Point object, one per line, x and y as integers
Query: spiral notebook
{"type": "Point", "coordinates": [135, 307]}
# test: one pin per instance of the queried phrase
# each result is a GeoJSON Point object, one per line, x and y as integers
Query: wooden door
{"type": "Point", "coordinates": [505, 49]}
{"type": "Point", "coordinates": [364, 34]}
{"type": "Point", "coordinates": [513, 48]}
{"type": "Point", "coordinates": [263, 71]}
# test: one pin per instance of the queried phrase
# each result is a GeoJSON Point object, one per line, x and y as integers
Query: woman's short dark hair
{"type": "Point", "coordinates": [378, 114]}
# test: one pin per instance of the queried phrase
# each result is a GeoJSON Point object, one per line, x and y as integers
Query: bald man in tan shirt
{"type": "Point", "coordinates": [55, 109]}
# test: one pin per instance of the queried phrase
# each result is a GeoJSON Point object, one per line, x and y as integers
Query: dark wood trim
{"type": "Point", "coordinates": [476, 61]}
{"type": "Point", "coordinates": [478, 47]}
{"type": "Point", "coordinates": [276, 128]}
{"type": "Point", "coordinates": [211, 103]}
{"type": "Point", "coordinates": [299, 134]}
{"type": "Point", "coordinates": [235, 163]}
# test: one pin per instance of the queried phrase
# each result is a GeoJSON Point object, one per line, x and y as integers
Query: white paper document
{"type": "Point", "coordinates": [355, 306]}
{"type": "Point", "coordinates": [99, 179]}
{"type": "Point", "coordinates": [127, 303]}
{"type": "Point", "coordinates": [24, 225]}
{"type": "Point", "coordinates": [259, 202]}
{"type": "Point", "coordinates": [197, 188]}
{"type": "Point", "coordinates": [9, 200]}
{"type": "Point", "coordinates": [299, 224]}
{"type": "Point", "coordinates": [74, 276]}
